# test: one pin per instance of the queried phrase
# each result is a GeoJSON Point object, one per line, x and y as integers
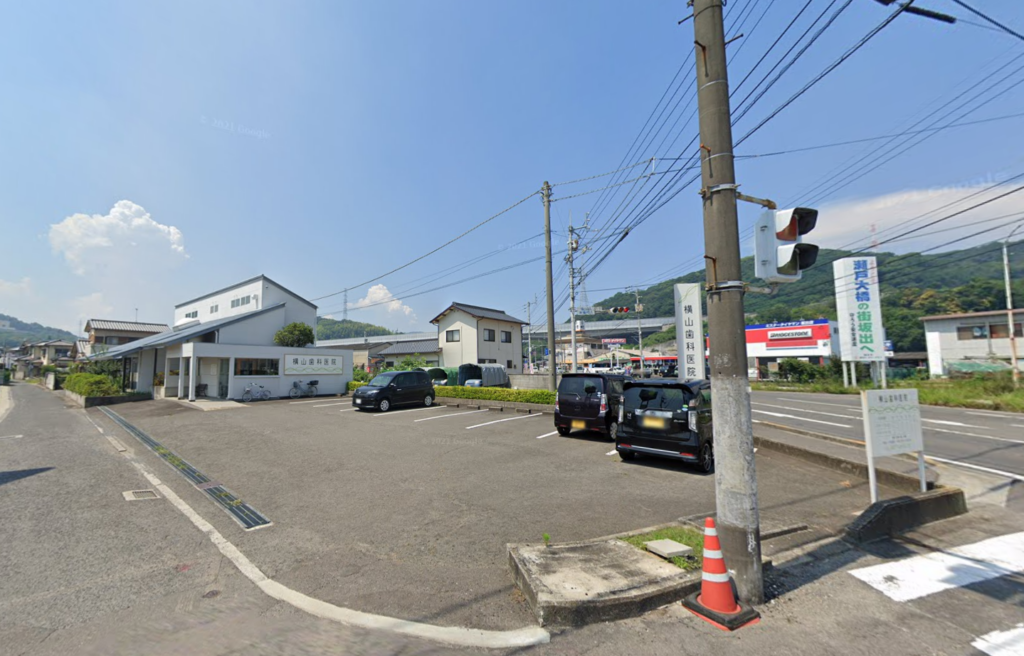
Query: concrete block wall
{"type": "Point", "coordinates": [530, 381]}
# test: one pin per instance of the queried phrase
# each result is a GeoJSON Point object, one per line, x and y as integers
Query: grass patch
{"type": "Point", "coordinates": [691, 537]}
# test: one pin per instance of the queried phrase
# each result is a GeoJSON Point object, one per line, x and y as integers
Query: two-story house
{"type": "Point", "coordinates": [223, 342]}
{"type": "Point", "coordinates": [104, 334]}
{"type": "Point", "coordinates": [479, 335]}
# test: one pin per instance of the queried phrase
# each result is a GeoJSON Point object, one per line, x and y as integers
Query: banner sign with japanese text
{"type": "Point", "coordinates": [313, 364]}
{"type": "Point", "coordinates": [858, 309]}
{"type": "Point", "coordinates": [689, 332]}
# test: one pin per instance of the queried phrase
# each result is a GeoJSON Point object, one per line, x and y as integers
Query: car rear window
{"type": "Point", "coordinates": [578, 384]}
{"type": "Point", "coordinates": [666, 398]}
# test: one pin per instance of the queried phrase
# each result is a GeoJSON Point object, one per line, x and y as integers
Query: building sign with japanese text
{"type": "Point", "coordinates": [858, 309]}
{"type": "Point", "coordinates": [613, 340]}
{"type": "Point", "coordinates": [313, 364]}
{"type": "Point", "coordinates": [689, 331]}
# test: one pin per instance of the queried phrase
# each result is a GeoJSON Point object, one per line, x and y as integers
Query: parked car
{"type": "Point", "coordinates": [395, 388]}
{"type": "Point", "coordinates": [589, 402]}
{"type": "Point", "coordinates": [668, 419]}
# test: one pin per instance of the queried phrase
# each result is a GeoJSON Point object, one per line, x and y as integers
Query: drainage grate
{"type": "Point", "coordinates": [140, 495]}
{"type": "Point", "coordinates": [242, 512]}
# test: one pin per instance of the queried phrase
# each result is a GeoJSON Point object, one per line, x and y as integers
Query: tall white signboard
{"type": "Point", "coordinates": [892, 425]}
{"type": "Point", "coordinates": [689, 331]}
{"type": "Point", "coordinates": [859, 312]}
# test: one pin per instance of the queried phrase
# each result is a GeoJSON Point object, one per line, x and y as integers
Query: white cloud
{"type": "Point", "coordinates": [848, 223]}
{"type": "Point", "coordinates": [126, 240]}
{"type": "Point", "coordinates": [379, 295]}
{"type": "Point", "coordinates": [24, 287]}
{"type": "Point", "coordinates": [92, 306]}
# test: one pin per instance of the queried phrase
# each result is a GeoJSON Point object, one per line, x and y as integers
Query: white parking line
{"type": "Point", "coordinates": [327, 405]}
{"type": "Point", "coordinates": [11, 437]}
{"type": "Point", "coordinates": [454, 414]}
{"type": "Point", "coordinates": [611, 453]}
{"type": "Point", "coordinates": [402, 412]}
{"type": "Point", "coordinates": [348, 410]}
{"type": "Point", "coordinates": [312, 401]}
{"type": "Point", "coordinates": [816, 421]}
{"type": "Point", "coordinates": [813, 412]}
{"type": "Point", "coordinates": [498, 421]}
{"type": "Point", "coordinates": [541, 437]}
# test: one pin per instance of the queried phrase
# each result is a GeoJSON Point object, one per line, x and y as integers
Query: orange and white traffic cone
{"type": "Point", "coordinates": [716, 603]}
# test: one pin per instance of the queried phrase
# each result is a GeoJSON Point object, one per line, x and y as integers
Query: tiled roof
{"type": "Point", "coordinates": [411, 348]}
{"type": "Point", "coordinates": [126, 326]}
{"type": "Point", "coordinates": [479, 312]}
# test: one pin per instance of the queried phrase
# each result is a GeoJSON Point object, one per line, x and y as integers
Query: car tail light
{"type": "Point", "coordinates": [556, 404]}
{"type": "Point", "coordinates": [604, 403]}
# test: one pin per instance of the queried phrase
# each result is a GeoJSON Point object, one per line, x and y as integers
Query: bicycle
{"type": "Point", "coordinates": [254, 392]}
{"type": "Point", "coordinates": [296, 391]}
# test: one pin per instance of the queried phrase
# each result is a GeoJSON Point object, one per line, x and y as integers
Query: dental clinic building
{"type": "Point", "coordinates": [223, 341]}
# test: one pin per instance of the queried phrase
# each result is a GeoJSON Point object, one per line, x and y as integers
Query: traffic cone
{"type": "Point", "coordinates": [716, 603]}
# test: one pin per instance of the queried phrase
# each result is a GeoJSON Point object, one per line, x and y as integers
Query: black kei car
{"type": "Point", "coordinates": [669, 419]}
{"type": "Point", "coordinates": [395, 388]}
{"type": "Point", "coordinates": [589, 401]}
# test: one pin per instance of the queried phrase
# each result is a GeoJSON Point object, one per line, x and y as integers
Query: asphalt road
{"type": "Point", "coordinates": [979, 438]}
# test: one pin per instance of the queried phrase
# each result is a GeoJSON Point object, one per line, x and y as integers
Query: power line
{"type": "Point", "coordinates": [989, 19]}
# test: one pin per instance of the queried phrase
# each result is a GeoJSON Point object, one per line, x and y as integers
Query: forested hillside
{"type": "Point", "coordinates": [22, 331]}
{"type": "Point", "coordinates": [346, 328]}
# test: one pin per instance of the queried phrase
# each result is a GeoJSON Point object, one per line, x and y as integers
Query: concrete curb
{"type": "Point", "coordinates": [93, 401]}
{"type": "Point", "coordinates": [890, 516]}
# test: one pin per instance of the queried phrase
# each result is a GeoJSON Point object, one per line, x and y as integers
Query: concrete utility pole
{"type": "Point", "coordinates": [639, 331]}
{"type": "Point", "coordinates": [574, 247]}
{"type": "Point", "coordinates": [545, 195]}
{"type": "Point", "coordinates": [529, 332]}
{"type": "Point", "coordinates": [1009, 306]}
{"type": "Point", "coordinates": [735, 476]}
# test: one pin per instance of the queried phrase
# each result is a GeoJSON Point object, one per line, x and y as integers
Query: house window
{"type": "Point", "coordinates": [451, 336]}
{"type": "Point", "coordinates": [255, 367]}
{"type": "Point", "coordinates": [508, 364]}
{"type": "Point", "coordinates": [486, 361]}
{"type": "Point", "coordinates": [971, 332]}
{"type": "Point", "coordinates": [192, 315]}
{"type": "Point", "coordinates": [1002, 331]}
{"type": "Point", "coordinates": [214, 308]}
{"type": "Point", "coordinates": [506, 337]}
{"type": "Point", "coordinates": [488, 335]}
{"type": "Point", "coordinates": [238, 302]}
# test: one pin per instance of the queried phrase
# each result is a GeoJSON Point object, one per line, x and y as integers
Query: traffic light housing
{"type": "Point", "coordinates": [780, 253]}
{"type": "Point", "coordinates": [616, 310]}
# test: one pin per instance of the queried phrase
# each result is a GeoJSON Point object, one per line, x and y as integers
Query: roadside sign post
{"type": "Point", "coordinates": [892, 426]}
{"type": "Point", "coordinates": [689, 332]}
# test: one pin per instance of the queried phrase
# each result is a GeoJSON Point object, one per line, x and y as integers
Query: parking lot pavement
{"type": "Point", "coordinates": [408, 513]}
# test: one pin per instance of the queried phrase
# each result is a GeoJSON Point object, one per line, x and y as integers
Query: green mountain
{"type": "Point", "coordinates": [913, 285]}
{"type": "Point", "coordinates": [21, 331]}
{"type": "Point", "coordinates": [346, 328]}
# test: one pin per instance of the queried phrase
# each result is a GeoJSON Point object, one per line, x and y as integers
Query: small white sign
{"type": "Point", "coordinates": [313, 364]}
{"type": "Point", "coordinates": [689, 332]}
{"type": "Point", "coordinates": [892, 426]}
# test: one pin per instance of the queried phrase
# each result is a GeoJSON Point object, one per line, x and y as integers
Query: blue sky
{"type": "Point", "coordinates": [156, 151]}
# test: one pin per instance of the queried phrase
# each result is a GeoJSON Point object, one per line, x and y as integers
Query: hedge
{"type": "Point", "coordinates": [496, 394]}
{"type": "Point", "coordinates": [354, 384]}
{"type": "Point", "coordinates": [91, 385]}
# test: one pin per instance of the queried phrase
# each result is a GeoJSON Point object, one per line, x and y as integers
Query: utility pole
{"type": "Point", "coordinates": [574, 247]}
{"type": "Point", "coordinates": [1009, 306]}
{"type": "Point", "coordinates": [735, 476]}
{"type": "Point", "coordinates": [639, 331]}
{"type": "Point", "coordinates": [545, 195]}
{"type": "Point", "coordinates": [529, 333]}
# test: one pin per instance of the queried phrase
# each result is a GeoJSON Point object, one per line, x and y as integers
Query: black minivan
{"type": "Point", "coordinates": [668, 419]}
{"type": "Point", "coordinates": [395, 388]}
{"type": "Point", "coordinates": [589, 401]}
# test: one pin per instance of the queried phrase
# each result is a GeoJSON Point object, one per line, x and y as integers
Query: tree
{"type": "Point", "coordinates": [413, 361]}
{"type": "Point", "coordinates": [295, 335]}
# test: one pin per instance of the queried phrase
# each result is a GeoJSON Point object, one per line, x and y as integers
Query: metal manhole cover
{"type": "Point", "coordinates": [140, 495]}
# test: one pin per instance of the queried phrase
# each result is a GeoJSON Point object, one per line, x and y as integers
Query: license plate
{"type": "Point", "coordinates": [579, 425]}
{"type": "Point", "coordinates": [652, 422]}
{"type": "Point", "coordinates": [358, 402]}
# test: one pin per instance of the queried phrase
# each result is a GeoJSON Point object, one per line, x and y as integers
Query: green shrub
{"type": "Point", "coordinates": [544, 397]}
{"type": "Point", "coordinates": [355, 384]}
{"type": "Point", "coordinates": [91, 385]}
{"type": "Point", "coordinates": [48, 368]}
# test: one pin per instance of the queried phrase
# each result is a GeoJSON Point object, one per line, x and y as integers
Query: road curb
{"type": "Point", "coordinates": [885, 518]}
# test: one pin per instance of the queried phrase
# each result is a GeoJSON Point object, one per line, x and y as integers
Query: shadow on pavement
{"type": "Point", "coordinates": [18, 474]}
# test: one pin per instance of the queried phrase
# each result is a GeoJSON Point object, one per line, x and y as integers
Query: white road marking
{"type": "Point", "coordinates": [327, 405]}
{"type": "Point", "coordinates": [993, 413]}
{"type": "Point", "coordinates": [348, 410]}
{"type": "Point", "coordinates": [949, 423]}
{"type": "Point", "coordinates": [987, 437]}
{"type": "Point", "coordinates": [402, 412]}
{"type": "Point", "coordinates": [611, 453]}
{"type": "Point", "coordinates": [498, 421]}
{"type": "Point", "coordinates": [978, 467]}
{"type": "Point", "coordinates": [312, 401]}
{"type": "Point", "coordinates": [454, 414]}
{"type": "Point", "coordinates": [1002, 643]}
{"type": "Point", "coordinates": [541, 437]}
{"type": "Point", "coordinates": [920, 576]}
{"type": "Point", "coordinates": [835, 405]}
{"type": "Point", "coordinates": [813, 412]}
{"type": "Point", "coordinates": [1017, 425]}
{"type": "Point", "coordinates": [450, 635]}
{"type": "Point", "coordinates": [11, 437]}
{"type": "Point", "coordinates": [816, 421]}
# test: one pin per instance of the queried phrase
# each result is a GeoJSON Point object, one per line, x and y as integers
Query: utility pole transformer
{"type": "Point", "coordinates": [735, 475]}
{"type": "Point", "coordinates": [545, 195]}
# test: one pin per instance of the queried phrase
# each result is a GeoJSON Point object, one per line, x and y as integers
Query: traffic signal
{"type": "Point", "coordinates": [780, 253]}
{"type": "Point", "coordinates": [616, 310]}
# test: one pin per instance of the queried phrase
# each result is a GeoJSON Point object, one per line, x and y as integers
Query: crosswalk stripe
{"type": "Point", "coordinates": [920, 576]}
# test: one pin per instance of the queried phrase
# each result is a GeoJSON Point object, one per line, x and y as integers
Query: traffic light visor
{"type": "Point", "coordinates": [790, 224]}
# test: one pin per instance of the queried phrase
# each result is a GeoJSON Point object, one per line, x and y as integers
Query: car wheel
{"type": "Point", "coordinates": [613, 430]}
{"type": "Point", "coordinates": [384, 405]}
{"type": "Point", "coordinates": [428, 401]}
{"type": "Point", "coordinates": [706, 458]}
{"type": "Point", "coordinates": [562, 430]}
{"type": "Point", "coordinates": [626, 455]}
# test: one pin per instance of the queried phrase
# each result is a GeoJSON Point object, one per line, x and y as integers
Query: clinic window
{"type": "Point", "coordinates": [488, 335]}
{"type": "Point", "coordinates": [451, 336]}
{"type": "Point", "coordinates": [256, 367]}
{"type": "Point", "coordinates": [971, 332]}
{"type": "Point", "coordinates": [1002, 331]}
{"type": "Point", "coordinates": [192, 315]}
{"type": "Point", "coordinates": [214, 309]}
{"type": "Point", "coordinates": [238, 302]}
{"type": "Point", "coordinates": [506, 337]}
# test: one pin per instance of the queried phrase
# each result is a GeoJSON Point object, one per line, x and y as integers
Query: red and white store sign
{"type": "Point", "coordinates": [805, 334]}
